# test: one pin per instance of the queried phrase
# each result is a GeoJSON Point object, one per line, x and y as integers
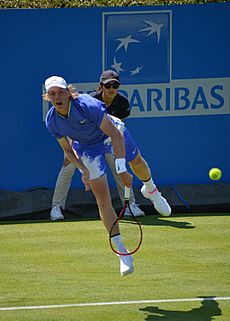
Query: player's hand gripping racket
{"type": "Point", "coordinates": [130, 230]}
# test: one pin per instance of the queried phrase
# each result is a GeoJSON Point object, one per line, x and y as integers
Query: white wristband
{"type": "Point", "coordinates": [120, 165]}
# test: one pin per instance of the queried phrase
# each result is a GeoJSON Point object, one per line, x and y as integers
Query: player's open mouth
{"type": "Point", "coordinates": [59, 104]}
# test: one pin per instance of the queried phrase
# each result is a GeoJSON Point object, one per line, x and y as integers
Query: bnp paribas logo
{"type": "Point", "coordinates": [138, 46]}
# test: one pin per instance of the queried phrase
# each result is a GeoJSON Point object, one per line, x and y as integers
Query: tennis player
{"type": "Point", "coordinates": [94, 133]}
{"type": "Point", "coordinates": [118, 106]}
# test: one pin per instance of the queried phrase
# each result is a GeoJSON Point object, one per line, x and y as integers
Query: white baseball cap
{"type": "Point", "coordinates": [55, 81]}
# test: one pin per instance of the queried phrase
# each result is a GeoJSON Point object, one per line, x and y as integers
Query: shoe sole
{"type": "Point", "coordinates": [128, 271]}
{"type": "Point", "coordinates": [56, 219]}
{"type": "Point", "coordinates": [163, 214]}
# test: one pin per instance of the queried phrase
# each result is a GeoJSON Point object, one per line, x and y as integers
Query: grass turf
{"type": "Point", "coordinates": [44, 263]}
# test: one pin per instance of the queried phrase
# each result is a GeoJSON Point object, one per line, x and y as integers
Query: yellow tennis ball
{"type": "Point", "coordinates": [215, 174]}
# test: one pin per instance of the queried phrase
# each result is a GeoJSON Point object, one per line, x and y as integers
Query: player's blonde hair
{"type": "Point", "coordinates": [73, 93]}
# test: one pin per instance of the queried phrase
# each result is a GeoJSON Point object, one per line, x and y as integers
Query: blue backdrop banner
{"type": "Point", "coordinates": [174, 68]}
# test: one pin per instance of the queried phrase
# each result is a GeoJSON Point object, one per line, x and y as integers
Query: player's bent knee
{"type": "Point", "coordinates": [137, 161]}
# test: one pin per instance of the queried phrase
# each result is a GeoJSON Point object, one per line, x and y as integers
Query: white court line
{"type": "Point", "coordinates": [111, 303]}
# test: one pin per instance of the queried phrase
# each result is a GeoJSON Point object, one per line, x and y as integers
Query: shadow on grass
{"type": "Point", "coordinates": [153, 219]}
{"type": "Point", "coordinates": [208, 309]}
{"type": "Point", "coordinates": [160, 221]}
{"type": "Point", "coordinates": [147, 220]}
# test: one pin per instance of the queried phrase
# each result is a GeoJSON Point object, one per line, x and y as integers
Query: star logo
{"type": "Point", "coordinates": [136, 71]}
{"type": "Point", "coordinates": [124, 42]}
{"type": "Point", "coordinates": [117, 66]}
{"type": "Point", "coordinates": [139, 51]}
{"type": "Point", "coordinates": [153, 27]}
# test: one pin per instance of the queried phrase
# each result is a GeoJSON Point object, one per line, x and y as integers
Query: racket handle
{"type": "Point", "coordinates": [127, 194]}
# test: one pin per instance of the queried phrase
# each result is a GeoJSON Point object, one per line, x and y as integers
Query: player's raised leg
{"type": "Point", "coordinates": [149, 190]}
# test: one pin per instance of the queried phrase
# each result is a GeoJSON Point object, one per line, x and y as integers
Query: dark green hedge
{"type": "Point", "coordinates": [92, 3]}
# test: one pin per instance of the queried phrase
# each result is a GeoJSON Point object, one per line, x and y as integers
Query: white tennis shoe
{"type": "Point", "coordinates": [159, 202]}
{"type": "Point", "coordinates": [126, 264]}
{"type": "Point", "coordinates": [56, 214]}
{"type": "Point", "coordinates": [135, 210]}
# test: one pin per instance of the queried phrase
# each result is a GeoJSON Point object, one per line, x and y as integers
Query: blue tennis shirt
{"type": "Point", "coordinates": [83, 122]}
{"type": "Point", "coordinates": [82, 125]}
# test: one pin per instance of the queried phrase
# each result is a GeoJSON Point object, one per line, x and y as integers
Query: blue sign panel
{"type": "Point", "coordinates": [174, 68]}
{"type": "Point", "coordinates": [137, 45]}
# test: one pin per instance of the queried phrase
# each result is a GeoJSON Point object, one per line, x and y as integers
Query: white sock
{"type": "Point", "coordinates": [151, 187]}
{"type": "Point", "coordinates": [118, 243]}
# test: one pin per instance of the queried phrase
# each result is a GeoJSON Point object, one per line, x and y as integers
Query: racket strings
{"type": "Point", "coordinates": [136, 221]}
{"type": "Point", "coordinates": [131, 234]}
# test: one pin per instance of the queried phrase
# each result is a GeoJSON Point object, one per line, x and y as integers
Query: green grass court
{"type": "Point", "coordinates": [64, 263]}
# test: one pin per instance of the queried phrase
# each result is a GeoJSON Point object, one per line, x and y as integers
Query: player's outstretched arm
{"type": "Point", "coordinates": [73, 158]}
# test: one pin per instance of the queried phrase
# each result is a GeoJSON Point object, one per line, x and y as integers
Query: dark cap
{"type": "Point", "coordinates": [109, 75]}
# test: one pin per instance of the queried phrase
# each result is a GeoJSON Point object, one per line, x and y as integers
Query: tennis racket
{"type": "Point", "coordinates": [130, 229]}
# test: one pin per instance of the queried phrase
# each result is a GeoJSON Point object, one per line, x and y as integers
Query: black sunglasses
{"type": "Point", "coordinates": [115, 85]}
